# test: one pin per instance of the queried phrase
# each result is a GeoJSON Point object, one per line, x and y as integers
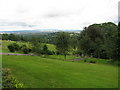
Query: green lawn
{"type": "Point", "coordinates": [37, 72]}
{"type": "Point", "coordinates": [61, 57]}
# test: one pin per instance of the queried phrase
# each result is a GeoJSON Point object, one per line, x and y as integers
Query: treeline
{"type": "Point", "coordinates": [12, 37]}
{"type": "Point", "coordinates": [100, 41]}
{"type": "Point", "coordinates": [97, 40]}
{"type": "Point", "coordinates": [42, 38]}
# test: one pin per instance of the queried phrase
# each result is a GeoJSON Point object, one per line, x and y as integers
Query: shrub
{"type": "Point", "coordinates": [92, 62]}
{"type": "Point", "coordinates": [85, 60]}
{"type": "Point", "coordinates": [78, 52]}
{"type": "Point", "coordinates": [30, 50]}
{"type": "Point", "coordinates": [13, 47]}
{"type": "Point", "coordinates": [23, 46]}
{"type": "Point", "coordinates": [58, 53]}
{"type": "Point", "coordinates": [45, 51]}
{"type": "Point", "coordinates": [9, 81]}
{"type": "Point", "coordinates": [53, 52]}
{"type": "Point", "coordinates": [25, 50]}
{"type": "Point", "coordinates": [16, 46]}
{"type": "Point", "coordinates": [49, 52]}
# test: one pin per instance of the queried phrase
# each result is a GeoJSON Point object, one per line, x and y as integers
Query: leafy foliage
{"type": "Point", "coordinates": [9, 81]}
{"type": "Point", "coordinates": [62, 43]}
{"type": "Point", "coordinates": [13, 47]}
{"type": "Point", "coordinates": [99, 40]}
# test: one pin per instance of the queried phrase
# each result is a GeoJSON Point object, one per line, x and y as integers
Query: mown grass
{"type": "Point", "coordinates": [37, 72]}
{"type": "Point", "coordinates": [61, 57]}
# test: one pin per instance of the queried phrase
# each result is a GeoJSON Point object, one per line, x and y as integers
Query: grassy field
{"type": "Point", "coordinates": [5, 43]}
{"type": "Point", "coordinates": [61, 57]}
{"type": "Point", "coordinates": [37, 72]}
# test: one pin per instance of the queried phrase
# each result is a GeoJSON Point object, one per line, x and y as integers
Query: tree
{"type": "Point", "coordinates": [12, 37]}
{"type": "Point", "coordinates": [62, 43]}
{"type": "Point", "coordinates": [36, 45]}
{"type": "Point", "coordinates": [110, 34]}
{"type": "Point", "coordinates": [118, 43]}
{"type": "Point", "coordinates": [74, 42]}
{"type": "Point", "coordinates": [98, 47]}
{"type": "Point", "coordinates": [86, 45]}
{"type": "Point", "coordinates": [25, 50]}
{"type": "Point", "coordinates": [99, 40]}
{"type": "Point", "coordinates": [4, 36]}
{"type": "Point", "coordinates": [45, 50]}
{"type": "Point", "coordinates": [13, 47]}
{"type": "Point", "coordinates": [16, 46]}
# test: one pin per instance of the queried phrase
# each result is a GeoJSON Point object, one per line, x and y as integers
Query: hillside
{"type": "Point", "coordinates": [5, 43]}
{"type": "Point", "coordinates": [37, 72]}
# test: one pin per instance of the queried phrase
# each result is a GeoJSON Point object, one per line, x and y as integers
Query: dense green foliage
{"type": "Point", "coordinates": [118, 43]}
{"type": "Point", "coordinates": [13, 47]}
{"type": "Point", "coordinates": [37, 72]}
{"type": "Point", "coordinates": [62, 43]}
{"type": "Point", "coordinates": [22, 45]}
{"type": "Point", "coordinates": [8, 80]}
{"type": "Point", "coordinates": [99, 40]}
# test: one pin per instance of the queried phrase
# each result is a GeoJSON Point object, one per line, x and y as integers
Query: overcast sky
{"type": "Point", "coordinates": [55, 14]}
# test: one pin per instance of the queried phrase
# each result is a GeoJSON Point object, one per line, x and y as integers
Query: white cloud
{"type": "Point", "coordinates": [56, 14]}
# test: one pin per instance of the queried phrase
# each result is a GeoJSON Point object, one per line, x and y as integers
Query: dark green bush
{"type": "Point", "coordinates": [13, 47]}
{"type": "Point", "coordinates": [30, 50]}
{"type": "Point", "coordinates": [92, 61]}
{"type": "Point", "coordinates": [9, 81]}
{"type": "Point", "coordinates": [85, 60]}
{"type": "Point", "coordinates": [25, 50]}
{"type": "Point", "coordinates": [23, 46]}
{"type": "Point", "coordinates": [78, 52]}
{"type": "Point", "coordinates": [58, 53]}
{"type": "Point", "coordinates": [16, 46]}
{"type": "Point", "coordinates": [53, 52]}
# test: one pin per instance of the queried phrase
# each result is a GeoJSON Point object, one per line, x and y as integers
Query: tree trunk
{"type": "Point", "coordinates": [65, 56]}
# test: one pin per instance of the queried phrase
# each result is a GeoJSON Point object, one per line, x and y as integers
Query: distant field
{"type": "Point", "coordinates": [5, 43]}
{"type": "Point", "coordinates": [50, 47]}
{"type": "Point", "coordinates": [37, 72]}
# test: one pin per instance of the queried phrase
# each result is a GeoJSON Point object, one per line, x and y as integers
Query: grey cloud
{"type": "Point", "coordinates": [57, 14]}
{"type": "Point", "coordinates": [15, 24]}
{"type": "Point", "coordinates": [53, 15]}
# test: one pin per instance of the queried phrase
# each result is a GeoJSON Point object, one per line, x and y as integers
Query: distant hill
{"type": "Point", "coordinates": [38, 31]}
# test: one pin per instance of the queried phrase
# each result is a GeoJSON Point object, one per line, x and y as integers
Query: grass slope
{"type": "Point", "coordinates": [5, 43]}
{"type": "Point", "coordinates": [37, 72]}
